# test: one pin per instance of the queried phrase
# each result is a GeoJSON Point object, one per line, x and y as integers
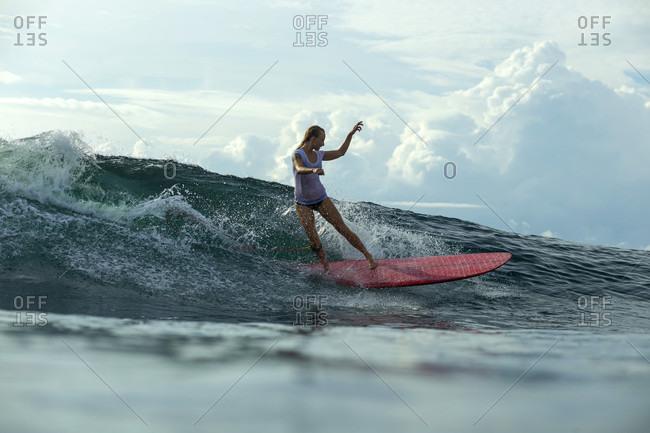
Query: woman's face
{"type": "Point", "coordinates": [318, 142]}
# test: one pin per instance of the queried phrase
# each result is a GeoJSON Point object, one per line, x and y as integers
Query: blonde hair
{"type": "Point", "coordinates": [312, 131]}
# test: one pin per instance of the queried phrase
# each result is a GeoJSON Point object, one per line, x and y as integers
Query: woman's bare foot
{"type": "Point", "coordinates": [326, 267]}
{"type": "Point", "coordinates": [372, 264]}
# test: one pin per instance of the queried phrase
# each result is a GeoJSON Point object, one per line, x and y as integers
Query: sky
{"type": "Point", "coordinates": [523, 116]}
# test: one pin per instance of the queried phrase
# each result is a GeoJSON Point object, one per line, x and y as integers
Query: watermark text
{"type": "Point", "coordinates": [594, 310]}
{"type": "Point", "coordinates": [25, 314]}
{"type": "Point", "coordinates": [28, 31]}
{"type": "Point", "coordinates": [309, 30]}
{"type": "Point", "coordinates": [309, 310]}
{"type": "Point", "coordinates": [596, 26]}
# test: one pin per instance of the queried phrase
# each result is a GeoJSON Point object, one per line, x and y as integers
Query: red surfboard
{"type": "Point", "coordinates": [413, 271]}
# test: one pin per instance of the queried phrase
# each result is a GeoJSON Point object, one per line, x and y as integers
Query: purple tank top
{"type": "Point", "coordinates": [309, 190]}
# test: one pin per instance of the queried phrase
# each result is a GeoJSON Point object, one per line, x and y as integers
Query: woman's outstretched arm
{"type": "Point", "coordinates": [333, 154]}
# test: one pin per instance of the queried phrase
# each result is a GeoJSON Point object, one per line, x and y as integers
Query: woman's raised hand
{"type": "Point", "coordinates": [356, 128]}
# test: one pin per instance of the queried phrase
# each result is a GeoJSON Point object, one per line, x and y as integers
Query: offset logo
{"type": "Point", "coordinates": [25, 317]}
{"type": "Point", "coordinates": [309, 310]}
{"type": "Point", "coordinates": [29, 32]}
{"type": "Point", "coordinates": [595, 310]}
{"type": "Point", "coordinates": [309, 30]}
{"type": "Point", "coordinates": [596, 25]}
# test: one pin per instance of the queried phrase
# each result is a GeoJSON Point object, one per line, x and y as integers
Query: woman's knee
{"type": "Point", "coordinates": [342, 227]}
{"type": "Point", "coordinates": [344, 230]}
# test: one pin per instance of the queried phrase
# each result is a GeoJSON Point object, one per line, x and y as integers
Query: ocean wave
{"type": "Point", "coordinates": [119, 236]}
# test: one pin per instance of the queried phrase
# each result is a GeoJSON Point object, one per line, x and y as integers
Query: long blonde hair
{"type": "Point", "coordinates": [312, 131]}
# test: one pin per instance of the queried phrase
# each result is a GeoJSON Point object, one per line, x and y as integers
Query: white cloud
{"type": "Point", "coordinates": [141, 149]}
{"type": "Point", "coordinates": [413, 157]}
{"type": "Point", "coordinates": [7, 77]}
{"type": "Point", "coordinates": [572, 149]}
{"type": "Point", "coordinates": [548, 234]}
{"type": "Point", "coordinates": [236, 149]}
{"type": "Point", "coordinates": [570, 155]}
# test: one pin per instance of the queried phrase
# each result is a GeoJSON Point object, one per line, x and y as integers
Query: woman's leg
{"type": "Point", "coordinates": [332, 215]}
{"type": "Point", "coordinates": [306, 217]}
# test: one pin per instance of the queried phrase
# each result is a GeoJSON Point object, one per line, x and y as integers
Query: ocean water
{"type": "Point", "coordinates": [135, 297]}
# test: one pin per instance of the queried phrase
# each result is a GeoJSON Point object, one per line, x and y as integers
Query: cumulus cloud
{"type": "Point", "coordinates": [7, 77]}
{"type": "Point", "coordinates": [548, 234]}
{"type": "Point", "coordinates": [246, 154]}
{"type": "Point", "coordinates": [141, 149]}
{"type": "Point", "coordinates": [236, 149]}
{"type": "Point", "coordinates": [571, 154]}
{"type": "Point", "coordinates": [413, 158]}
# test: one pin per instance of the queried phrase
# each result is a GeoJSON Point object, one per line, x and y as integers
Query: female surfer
{"type": "Point", "coordinates": [310, 193]}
